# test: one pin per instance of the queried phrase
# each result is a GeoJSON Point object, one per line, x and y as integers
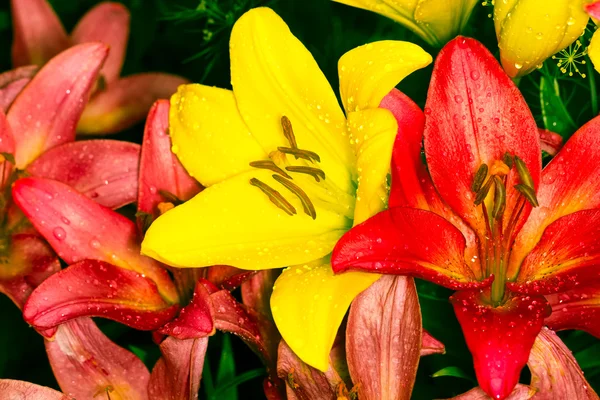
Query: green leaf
{"type": "Point", "coordinates": [452, 371]}
{"type": "Point", "coordinates": [589, 357]}
{"type": "Point", "coordinates": [238, 380]}
{"type": "Point", "coordinates": [225, 373]}
{"type": "Point", "coordinates": [554, 113]}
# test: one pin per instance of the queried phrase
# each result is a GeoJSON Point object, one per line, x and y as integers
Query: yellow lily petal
{"type": "Point", "coordinates": [208, 134]}
{"type": "Point", "coordinates": [308, 305]}
{"type": "Point", "coordinates": [368, 73]}
{"type": "Point", "coordinates": [594, 50]}
{"type": "Point", "coordinates": [529, 32]}
{"type": "Point", "coordinates": [445, 18]}
{"type": "Point", "coordinates": [274, 75]}
{"type": "Point", "coordinates": [235, 223]}
{"type": "Point", "coordinates": [373, 133]}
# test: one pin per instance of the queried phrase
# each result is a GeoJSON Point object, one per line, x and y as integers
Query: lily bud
{"type": "Point", "coordinates": [435, 21]}
{"type": "Point", "coordinates": [530, 31]}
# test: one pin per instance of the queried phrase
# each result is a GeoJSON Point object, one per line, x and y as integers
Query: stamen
{"type": "Point", "coordinates": [499, 198]}
{"type": "Point", "coordinates": [479, 178]}
{"type": "Point", "coordinates": [298, 153]}
{"type": "Point", "coordinates": [528, 193]}
{"type": "Point", "coordinates": [508, 159]}
{"type": "Point", "coordinates": [270, 165]}
{"type": "Point", "coordinates": [288, 132]}
{"type": "Point", "coordinates": [483, 192]}
{"type": "Point", "coordinates": [275, 197]}
{"type": "Point", "coordinates": [315, 172]}
{"type": "Point", "coordinates": [170, 197]}
{"type": "Point", "coordinates": [309, 208]}
{"type": "Point", "coordinates": [524, 174]}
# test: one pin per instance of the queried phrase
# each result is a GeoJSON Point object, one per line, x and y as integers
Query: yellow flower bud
{"type": "Point", "coordinates": [530, 31]}
{"type": "Point", "coordinates": [436, 21]}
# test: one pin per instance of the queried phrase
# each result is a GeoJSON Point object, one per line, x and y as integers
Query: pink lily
{"type": "Point", "coordinates": [36, 138]}
{"type": "Point", "coordinates": [117, 103]}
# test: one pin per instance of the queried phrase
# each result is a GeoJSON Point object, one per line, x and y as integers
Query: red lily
{"type": "Point", "coordinates": [36, 138]}
{"type": "Point", "coordinates": [107, 277]}
{"type": "Point", "coordinates": [483, 211]}
{"type": "Point", "coordinates": [117, 103]}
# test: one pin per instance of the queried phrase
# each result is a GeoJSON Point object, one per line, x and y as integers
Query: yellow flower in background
{"type": "Point", "coordinates": [436, 21]}
{"type": "Point", "coordinates": [593, 50]}
{"type": "Point", "coordinates": [530, 31]}
{"type": "Point", "coordinates": [287, 173]}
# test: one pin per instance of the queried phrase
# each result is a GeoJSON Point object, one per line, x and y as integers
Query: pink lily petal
{"type": "Point", "coordinates": [78, 228]}
{"type": "Point", "coordinates": [385, 323]}
{"type": "Point", "coordinates": [46, 112]}
{"type": "Point", "coordinates": [107, 23]}
{"type": "Point", "coordinates": [593, 9]}
{"type": "Point", "coordinates": [554, 370]}
{"type": "Point", "coordinates": [256, 291]}
{"type": "Point", "coordinates": [126, 102]}
{"type": "Point", "coordinates": [30, 262]}
{"type": "Point", "coordinates": [160, 170]}
{"type": "Point", "coordinates": [430, 345]}
{"type": "Point", "coordinates": [226, 277]}
{"type": "Point", "coordinates": [88, 365]}
{"type": "Point", "coordinates": [177, 374]}
{"type": "Point", "coordinates": [521, 392]}
{"type": "Point", "coordinates": [12, 82]}
{"type": "Point", "coordinates": [38, 33]}
{"type": "Point", "coordinates": [550, 142]}
{"type": "Point", "coordinates": [92, 288]}
{"type": "Point", "coordinates": [104, 170]}
{"type": "Point", "coordinates": [499, 338]}
{"type": "Point", "coordinates": [195, 320]}
{"type": "Point", "coordinates": [576, 309]}
{"type": "Point", "coordinates": [304, 381]}
{"type": "Point", "coordinates": [19, 390]}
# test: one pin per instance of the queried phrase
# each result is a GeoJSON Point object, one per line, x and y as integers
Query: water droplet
{"type": "Point", "coordinates": [59, 233]}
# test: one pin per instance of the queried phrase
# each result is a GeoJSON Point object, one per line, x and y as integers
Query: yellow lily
{"type": "Point", "coordinates": [530, 31]}
{"type": "Point", "coordinates": [436, 21]}
{"type": "Point", "coordinates": [286, 172]}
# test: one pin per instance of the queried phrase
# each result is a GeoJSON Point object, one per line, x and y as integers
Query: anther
{"type": "Point", "coordinates": [288, 132]}
{"type": "Point", "coordinates": [270, 165]}
{"type": "Point", "coordinates": [309, 208]}
{"type": "Point", "coordinates": [499, 198]}
{"type": "Point", "coordinates": [524, 174]}
{"type": "Point", "coordinates": [170, 197]}
{"type": "Point", "coordinates": [508, 159]}
{"type": "Point", "coordinates": [479, 178]}
{"type": "Point", "coordinates": [528, 193]}
{"type": "Point", "coordinates": [314, 172]}
{"type": "Point", "coordinates": [275, 197]}
{"type": "Point", "coordinates": [298, 153]}
{"type": "Point", "coordinates": [483, 192]}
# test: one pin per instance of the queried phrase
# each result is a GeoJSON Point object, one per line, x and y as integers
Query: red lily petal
{"type": "Point", "coordinates": [258, 332]}
{"type": "Point", "coordinates": [19, 390]}
{"type": "Point", "coordinates": [554, 370]}
{"type": "Point", "coordinates": [576, 309]}
{"type": "Point", "coordinates": [385, 323]}
{"type": "Point", "coordinates": [46, 112]}
{"type": "Point", "coordinates": [411, 184]}
{"type": "Point", "coordinates": [256, 291]}
{"type": "Point", "coordinates": [38, 33]}
{"type": "Point", "coordinates": [521, 392]}
{"type": "Point", "coordinates": [7, 145]}
{"type": "Point", "coordinates": [78, 228]}
{"type": "Point", "coordinates": [567, 255]}
{"type": "Point", "coordinates": [227, 277]}
{"type": "Point", "coordinates": [30, 262]}
{"type": "Point", "coordinates": [304, 381]}
{"type": "Point", "coordinates": [570, 183]}
{"type": "Point", "coordinates": [176, 375]}
{"type": "Point", "coordinates": [160, 170]}
{"type": "Point", "coordinates": [550, 142]}
{"type": "Point", "coordinates": [430, 345]}
{"type": "Point", "coordinates": [12, 82]}
{"type": "Point", "coordinates": [103, 170]}
{"type": "Point", "coordinates": [126, 102]}
{"type": "Point", "coordinates": [593, 9]}
{"type": "Point", "coordinates": [401, 241]}
{"type": "Point", "coordinates": [93, 288]}
{"type": "Point", "coordinates": [195, 320]}
{"type": "Point", "coordinates": [88, 365]}
{"type": "Point", "coordinates": [473, 114]}
{"type": "Point", "coordinates": [499, 338]}
{"type": "Point", "coordinates": [107, 23]}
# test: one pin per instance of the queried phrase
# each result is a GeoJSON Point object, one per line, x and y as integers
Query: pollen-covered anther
{"type": "Point", "coordinates": [270, 165]}
{"type": "Point", "coordinates": [314, 172]}
{"type": "Point", "coordinates": [288, 132]}
{"type": "Point", "coordinates": [309, 208]}
{"type": "Point", "coordinates": [275, 197]}
{"type": "Point", "coordinates": [499, 198]}
{"type": "Point", "coordinates": [483, 192]}
{"type": "Point", "coordinates": [299, 153]}
{"type": "Point", "coordinates": [480, 176]}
